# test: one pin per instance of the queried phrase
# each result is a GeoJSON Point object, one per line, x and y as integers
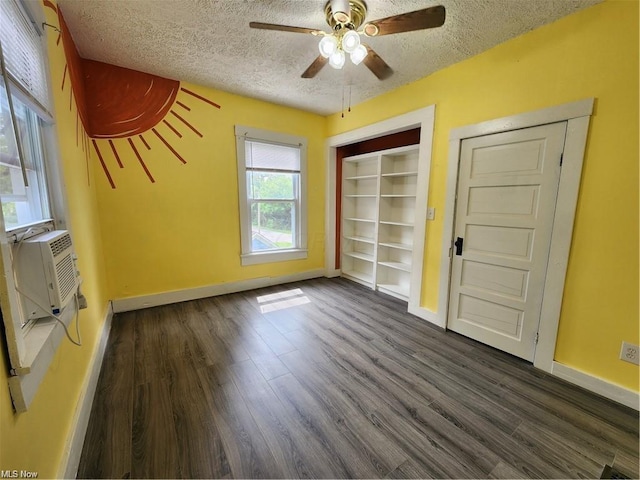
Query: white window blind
{"type": "Point", "coordinates": [23, 51]}
{"type": "Point", "coordinates": [267, 156]}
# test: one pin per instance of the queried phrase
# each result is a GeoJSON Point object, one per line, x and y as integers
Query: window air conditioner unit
{"type": "Point", "coordinates": [46, 273]}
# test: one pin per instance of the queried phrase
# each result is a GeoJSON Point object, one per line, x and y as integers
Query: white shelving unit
{"type": "Point", "coordinates": [378, 217]}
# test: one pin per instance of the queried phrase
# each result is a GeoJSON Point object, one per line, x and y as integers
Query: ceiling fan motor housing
{"type": "Point", "coordinates": [354, 17]}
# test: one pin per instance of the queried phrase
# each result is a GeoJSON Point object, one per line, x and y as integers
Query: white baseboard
{"type": "Point", "coordinates": [73, 448]}
{"type": "Point", "coordinates": [425, 314]}
{"type": "Point", "coordinates": [597, 385]}
{"type": "Point", "coordinates": [165, 298]}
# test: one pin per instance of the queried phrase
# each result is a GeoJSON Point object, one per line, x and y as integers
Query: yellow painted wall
{"type": "Point", "coordinates": [35, 440]}
{"type": "Point", "coordinates": [183, 231]}
{"type": "Point", "coordinates": [593, 53]}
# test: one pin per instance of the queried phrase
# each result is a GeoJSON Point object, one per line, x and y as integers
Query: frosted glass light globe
{"type": "Point", "coordinates": [328, 45]}
{"type": "Point", "coordinates": [358, 54]}
{"type": "Point", "coordinates": [350, 41]}
{"type": "Point", "coordinates": [336, 60]}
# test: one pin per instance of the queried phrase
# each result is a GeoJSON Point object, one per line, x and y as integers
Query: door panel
{"type": "Point", "coordinates": [505, 242]}
{"type": "Point", "coordinates": [507, 188]}
{"type": "Point", "coordinates": [512, 201]}
{"type": "Point", "coordinates": [508, 282]}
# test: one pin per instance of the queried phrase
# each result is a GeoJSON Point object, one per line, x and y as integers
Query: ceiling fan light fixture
{"type": "Point", "coordinates": [328, 46]}
{"type": "Point", "coordinates": [350, 41]}
{"type": "Point", "coordinates": [358, 54]}
{"type": "Point", "coordinates": [336, 60]}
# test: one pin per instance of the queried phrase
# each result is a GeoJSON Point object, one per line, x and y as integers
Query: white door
{"type": "Point", "coordinates": [507, 189]}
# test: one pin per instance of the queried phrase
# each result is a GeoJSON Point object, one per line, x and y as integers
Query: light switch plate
{"type": "Point", "coordinates": [431, 213]}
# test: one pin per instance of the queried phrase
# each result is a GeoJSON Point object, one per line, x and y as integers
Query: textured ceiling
{"type": "Point", "coordinates": [209, 42]}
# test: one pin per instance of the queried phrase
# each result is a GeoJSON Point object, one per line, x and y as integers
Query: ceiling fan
{"type": "Point", "coordinates": [345, 17]}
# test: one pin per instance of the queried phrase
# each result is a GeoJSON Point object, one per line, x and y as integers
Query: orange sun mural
{"type": "Point", "coordinates": [116, 102]}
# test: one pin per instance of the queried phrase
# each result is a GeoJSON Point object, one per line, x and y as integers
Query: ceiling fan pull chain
{"type": "Point", "coordinates": [349, 110]}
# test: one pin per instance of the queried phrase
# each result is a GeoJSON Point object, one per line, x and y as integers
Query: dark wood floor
{"type": "Point", "coordinates": [334, 381]}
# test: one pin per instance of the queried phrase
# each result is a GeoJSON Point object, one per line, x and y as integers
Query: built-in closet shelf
{"type": "Point", "coordinates": [397, 265]}
{"type": "Point", "coordinates": [360, 239]}
{"type": "Point", "coordinates": [367, 220]}
{"type": "Point", "coordinates": [399, 246]}
{"type": "Point", "coordinates": [395, 290]}
{"type": "Point", "coordinates": [400, 224]}
{"type": "Point", "coordinates": [360, 255]}
{"type": "Point", "coordinates": [400, 174]}
{"type": "Point", "coordinates": [379, 193]}
{"type": "Point", "coordinates": [361, 177]}
{"type": "Point", "coordinates": [363, 277]}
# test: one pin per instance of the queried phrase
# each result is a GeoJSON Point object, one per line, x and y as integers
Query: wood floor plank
{"type": "Point", "coordinates": [484, 430]}
{"type": "Point", "coordinates": [200, 445]}
{"type": "Point", "coordinates": [348, 404]}
{"type": "Point", "coordinates": [226, 331]}
{"type": "Point", "coordinates": [247, 451]}
{"type": "Point", "coordinates": [154, 440]}
{"type": "Point", "coordinates": [151, 347]}
{"type": "Point", "coordinates": [569, 461]}
{"type": "Point", "coordinates": [506, 471]}
{"type": "Point", "coordinates": [291, 441]}
{"type": "Point", "coordinates": [426, 448]}
{"type": "Point", "coordinates": [627, 463]}
{"type": "Point", "coordinates": [107, 448]}
{"type": "Point", "coordinates": [409, 469]}
{"type": "Point", "coordinates": [356, 459]}
{"type": "Point", "coordinates": [327, 379]}
{"type": "Point", "coordinates": [270, 366]}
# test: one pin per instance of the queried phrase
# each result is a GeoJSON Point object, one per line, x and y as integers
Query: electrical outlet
{"type": "Point", "coordinates": [431, 213]}
{"type": "Point", "coordinates": [630, 353]}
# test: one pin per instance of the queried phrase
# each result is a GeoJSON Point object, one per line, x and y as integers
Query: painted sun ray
{"type": "Point", "coordinates": [50, 4]}
{"type": "Point", "coordinates": [188, 109]}
{"type": "Point", "coordinates": [200, 97]}
{"type": "Point", "coordinates": [77, 125]}
{"type": "Point", "coordinates": [146, 170]}
{"type": "Point", "coordinates": [145, 142]}
{"type": "Point", "coordinates": [87, 155]}
{"type": "Point", "coordinates": [58, 39]}
{"type": "Point", "coordinates": [88, 175]}
{"type": "Point", "coordinates": [186, 123]}
{"type": "Point", "coordinates": [71, 98]}
{"type": "Point", "coordinates": [104, 167]}
{"type": "Point", "coordinates": [115, 154]}
{"type": "Point", "coordinates": [172, 128]}
{"type": "Point", "coordinates": [64, 76]}
{"type": "Point", "coordinates": [168, 146]}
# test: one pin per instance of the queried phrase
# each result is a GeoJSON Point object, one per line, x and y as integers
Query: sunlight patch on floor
{"type": "Point", "coordinates": [282, 300]}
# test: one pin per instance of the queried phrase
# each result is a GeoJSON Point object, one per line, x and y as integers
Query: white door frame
{"type": "Point", "coordinates": [423, 119]}
{"type": "Point", "coordinates": [577, 115]}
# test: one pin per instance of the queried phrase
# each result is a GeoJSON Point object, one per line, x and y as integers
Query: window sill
{"type": "Point", "coordinates": [270, 257]}
{"type": "Point", "coordinates": [41, 342]}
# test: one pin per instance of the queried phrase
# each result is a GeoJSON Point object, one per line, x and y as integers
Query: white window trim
{"type": "Point", "coordinates": [248, 257]}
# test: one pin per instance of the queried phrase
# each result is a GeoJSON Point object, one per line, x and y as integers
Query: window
{"type": "Point", "coordinates": [23, 118]}
{"type": "Point", "coordinates": [272, 190]}
{"type": "Point", "coordinates": [31, 193]}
